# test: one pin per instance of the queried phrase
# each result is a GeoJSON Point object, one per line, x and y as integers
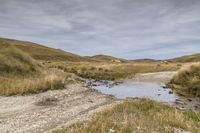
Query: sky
{"type": "Point", "coordinates": [130, 29]}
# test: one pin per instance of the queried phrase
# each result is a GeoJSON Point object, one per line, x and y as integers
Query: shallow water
{"type": "Point", "coordinates": [137, 89]}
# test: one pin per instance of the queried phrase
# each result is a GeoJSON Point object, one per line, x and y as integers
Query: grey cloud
{"type": "Point", "coordinates": [123, 28]}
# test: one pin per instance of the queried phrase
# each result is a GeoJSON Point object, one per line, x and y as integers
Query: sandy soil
{"type": "Point", "coordinates": [158, 77]}
{"type": "Point", "coordinates": [49, 110]}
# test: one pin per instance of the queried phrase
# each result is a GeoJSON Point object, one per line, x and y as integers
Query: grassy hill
{"type": "Point", "coordinates": [188, 58]}
{"type": "Point", "coordinates": [20, 73]}
{"type": "Point", "coordinates": [145, 60]}
{"type": "Point", "coordinates": [13, 60]}
{"type": "Point", "coordinates": [106, 58]}
{"type": "Point", "coordinates": [40, 52]}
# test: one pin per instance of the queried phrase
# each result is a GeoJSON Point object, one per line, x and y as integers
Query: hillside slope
{"type": "Point", "coordinates": [188, 58]}
{"type": "Point", "coordinates": [106, 58]}
{"type": "Point", "coordinates": [40, 52]}
{"type": "Point", "coordinates": [13, 60]}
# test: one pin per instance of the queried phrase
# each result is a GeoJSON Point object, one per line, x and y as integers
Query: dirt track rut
{"type": "Point", "coordinates": [46, 111]}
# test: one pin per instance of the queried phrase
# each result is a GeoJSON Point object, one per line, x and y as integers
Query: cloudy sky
{"type": "Point", "coordinates": [123, 28]}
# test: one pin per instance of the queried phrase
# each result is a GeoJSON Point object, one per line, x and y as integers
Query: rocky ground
{"type": "Point", "coordinates": [49, 110]}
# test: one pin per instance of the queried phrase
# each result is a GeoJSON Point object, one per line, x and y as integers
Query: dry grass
{"type": "Point", "coordinates": [48, 80]}
{"type": "Point", "coordinates": [187, 80]}
{"type": "Point", "coordinates": [139, 116]}
{"type": "Point", "coordinates": [13, 60]}
{"type": "Point", "coordinates": [40, 52]}
{"type": "Point", "coordinates": [110, 70]}
{"type": "Point", "coordinates": [188, 58]}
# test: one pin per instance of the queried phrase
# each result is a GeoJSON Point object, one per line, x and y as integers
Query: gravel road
{"type": "Point", "coordinates": [43, 112]}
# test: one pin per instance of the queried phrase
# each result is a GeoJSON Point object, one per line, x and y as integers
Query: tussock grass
{"type": "Point", "coordinates": [187, 80]}
{"type": "Point", "coordinates": [21, 74]}
{"type": "Point", "coordinates": [111, 71]}
{"type": "Point", "coordinates": [48, 80]}
{"type": "Point", "coordinates": [13, 60]}
{"type": "Point", "coordinates": [138, 116]}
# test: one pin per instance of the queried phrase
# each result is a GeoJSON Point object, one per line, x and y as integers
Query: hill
{"type": "Point", "coordinates": [13, 60]}
{"type": "Point", "coordinates": [145, 60]}
{"type": "Point", "coordinates": [21, 74]}
{"type": "Point", "coordinates": [188, 58]}
{"type": "Point", "coordinates": [106, 58]}
{"type": "Point", "coordinates": [40, 52]}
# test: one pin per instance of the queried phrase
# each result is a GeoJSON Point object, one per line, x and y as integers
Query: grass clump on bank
{"type": "Point", "coordinates": [187, 81]}
{"type": "Point", "coordinates": [32, 84]}
{"type": "Point", "coordinates": [142, 116]}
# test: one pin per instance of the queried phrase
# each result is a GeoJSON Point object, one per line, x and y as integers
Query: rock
{"type": "Point", "coordinates": [180, 102]}
{"type": "Point", "coordinates": [90, 101]}
{"type": "Point", "coordinates": [47, 101]}
{"type": "Point", "coordinates": [111, 131]}
{"type": "Point", "coordinates": [165, 87]}
{"type": "Point", "coordinates": [196, 107]}
{"type": "Point", "coordinates": [159, 94]}
{"type": "Point", "coordinates": [180, 131]}
{"type": "Point", "coordinates": [189, 99]}
{"type": "Point", "coordinates": [170, 92]}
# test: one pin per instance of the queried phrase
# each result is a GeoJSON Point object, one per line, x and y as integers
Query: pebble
{"type": "Point", "coordinates": [180, 131]}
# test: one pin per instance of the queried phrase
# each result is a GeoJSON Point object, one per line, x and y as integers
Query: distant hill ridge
{"type": "Point", "coordinates": [107, 58]}
{"type": "Point", "coordinates": [40, 52]}
{"type": "Point", "coordinates": [187, 58]}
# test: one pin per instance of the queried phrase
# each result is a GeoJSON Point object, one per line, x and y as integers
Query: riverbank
{"type": "Point", "coordinates": [139, 116]}
{"type": "Point", "coordinates": [146, 85]}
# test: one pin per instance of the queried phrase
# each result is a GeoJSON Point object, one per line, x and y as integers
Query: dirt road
{"type": "Point", "coordinates": [46, 111]}
{"type": "Point", "coordinates": [158, 77]}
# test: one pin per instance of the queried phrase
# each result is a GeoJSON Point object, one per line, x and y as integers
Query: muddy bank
{"type": "Point", "coordinates": [43, 112]}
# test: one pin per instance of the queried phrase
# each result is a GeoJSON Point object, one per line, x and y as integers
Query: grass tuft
{"type": "Point", "coordinates": [142, 116]}
{"type": "Point", "coordinates": [22, 85]}
{"type": "Point", "coordinates": [187, 80]}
